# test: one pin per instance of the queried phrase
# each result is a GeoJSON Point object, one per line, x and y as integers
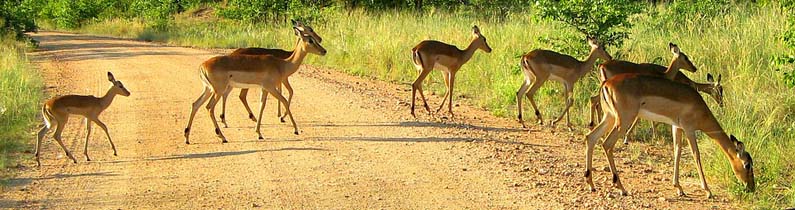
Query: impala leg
{"type": "Point", "coordinates": [196, 105]}
{"type": "Point", "coordinates": [40, 137]}
{"type": "Point", "coordinates": [677, 136]}
{"type": "Point", "coordinates": [536, 85]}
{"type": "Point", "coordinates": [279, 104]}
{"type": "Point", "coordinates": [223, 110]}
{"type": "Point", "coordinates": [263, 99]}
{"type": "Point", "coordinates": [88, 136]}
{"type": "Point", "coordinates": [608, 121]}
{"type": "Point", "coordinates": [596, 111]}
{"type": "Point", "coordinates": [653, 130]}
{"type": "Point", "coordinates": [417, 86]}
{"type": "Point", "coordinates": [447, 89]}
{"type": "Point", "coordinates": [243, 94]}
{"type": "Point", "coordinates": [450, 95]}
{"type": "Point", "coordinates": [278, 95]}
{"type": "Point", "coordinates": [630, 132]}
{"type": "Point", "coordinates": [569, 102]}
{"type": "Point", "coordinates": [214, 101]}
{"type": "Point", "coordinates": [289, 96]}
{"type": "Point", "coordinates": [692, 140]}
{"type": "Point", "coordinates": [608, 146]}
{"type": "Point", "coordinates": [522, 90]}
{"type": "Point", "coordinates": [58, 130]}
{"type": "Point", "coordinates": [105, 128]}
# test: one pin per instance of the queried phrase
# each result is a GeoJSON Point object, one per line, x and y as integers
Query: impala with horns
{"type": "Point", "coordinates": [278, 53]}
{"type": "Point", "coordinates": [223, 73]}
{"type": "Point", "coordinates": [56, 112]}
{"type": "Point", "coordinates": [431, 54]}
{"type": "Point", "coordinates": [539, 66]}
{"type": "Point", "coordinates": [627, 97]}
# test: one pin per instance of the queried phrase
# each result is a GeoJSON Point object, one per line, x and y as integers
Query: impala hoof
{"type": "Point", "coordinates": [260, 138]}
{"type": "Point", "coordinates": [224, 141]}
{"type": "Point", "coordinates": [296, 133]}
{"type": "Point", "coordinates": [282, 119]}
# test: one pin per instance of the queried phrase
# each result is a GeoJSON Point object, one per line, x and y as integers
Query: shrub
{"type": "Point", "coordinates": [16, 17]}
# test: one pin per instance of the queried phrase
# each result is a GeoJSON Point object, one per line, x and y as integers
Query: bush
{"type": "Point", "coordinates": [16, 17]}
{"type": "Point", "coordinates": [604, 19]}
{"type": "Point", "coordinates": [156, 13]}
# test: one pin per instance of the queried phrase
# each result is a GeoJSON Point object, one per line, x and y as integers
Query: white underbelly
{"type": "Point", "coordinates": [441, 67]}
{"type": "Point", "coordinates": [235, 84]}
{"type": "Point", "coordinates": [647, 115]}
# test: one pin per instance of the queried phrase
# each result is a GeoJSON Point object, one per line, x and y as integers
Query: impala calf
{"type": "Point", "coordinates": [539, 66]}
{"type": "Point", "coordinates": [627, 97]}
{"type": "Point", "coordinates": [431, 54]}
{"type": "Point", "coordinates": [278, 53]}
{"type": "Point", "coordinates": [56, 112]}
{"type": "Point", "coordinates": [221, 74]}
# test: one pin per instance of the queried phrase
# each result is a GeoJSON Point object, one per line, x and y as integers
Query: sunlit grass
{"type": "Point", "coordinates": [20, 94]}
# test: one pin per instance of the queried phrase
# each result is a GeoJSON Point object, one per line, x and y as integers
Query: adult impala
{"type": "Point", "coordinates": [278, 53]}
{"type": "Point", "coordinates": [56, 112]}
{"type": "Point", "coordinates": [430, 54]}
{"type": "Point", "coordinates": [627, 97]}
{"type": "Point", "coordinates": [221, 74]}
{"type": "Point", "coordinates": [680, 61]}
{"type": "Point", "coordinates": [539, 66]}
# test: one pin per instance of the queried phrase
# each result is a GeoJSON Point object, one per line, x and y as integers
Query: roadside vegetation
{"type": "Point", "coordinates": [20, 84]}
{"type": "Point", "coordinates": [750, 44]}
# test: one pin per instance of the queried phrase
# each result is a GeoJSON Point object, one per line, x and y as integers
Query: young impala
{"type": "Point", "coordinates": [56, 112]}
{"type": "Point", "coordinates": [221, 74]}
{"type": "Point", "coordinates": [278, 53]}
{"type": "Point", "coordinates": [430, 54]}
{"type": "Point", "coordinates": [627, 97]}
{"type": "Point", "coordinates": [539, 66]}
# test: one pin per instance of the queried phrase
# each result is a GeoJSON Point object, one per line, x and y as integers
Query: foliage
{"type": "Point", "coordinates": [608, 20]}
{"type": "Point", "coordinates": [695, 11]}
{"type": "Point", "coordinates": [16, 17]}
{"type": "Point", "coordinates": [20, 93]}
{"type": "Point", "coordinates": [786, 63]}
{"type": "Point", "coordinates": [157, 13]}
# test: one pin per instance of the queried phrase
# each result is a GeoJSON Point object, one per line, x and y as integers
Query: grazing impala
{"type": "Point", "coordinates": [539, 66]}
{"type": "Point", "coordinates": [221, 74]}
{"type": "Point", "coordinates": [430, 54]}
{"type": "Point", "coordinates": [56, 112]}
{"type": "Point", "coordinates": [627, 97]}
{"type": "Point", "coordinates": [680, 61]}
{"type": "Point", "coordinates": [278, 53]}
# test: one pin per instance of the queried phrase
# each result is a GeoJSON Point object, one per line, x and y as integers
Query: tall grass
{"type": "Point", "coordinates": [739, 45]}
{"type": "Point", "coordinates": [20, 94]}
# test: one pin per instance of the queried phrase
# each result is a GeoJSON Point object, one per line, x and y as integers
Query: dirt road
{"type": "Point", "coordinates": [358, 149]}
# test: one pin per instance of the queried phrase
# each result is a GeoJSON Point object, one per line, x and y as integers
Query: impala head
{"type": "Point", "coordinates": [307, 30]}
{"type": "Point", "coordinates": [118, 88]}
{"type": "Point", "coordinates": [743, 166]}
{"type": "Point", "coordinates": [480, 40]}
{"type": "Point", "coordinates": [309, 43]}
{"type": "Point", "coordinates": [681, 61]}
{"type": "Point", "coordinates": [717, 89]}
{"type": "Point", "coordinates": [599, 49]}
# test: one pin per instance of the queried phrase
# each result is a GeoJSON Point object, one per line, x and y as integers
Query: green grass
{"type": "Point", "coordinates": [20, 94]}
{"type": "Point", "coordinates": [760, 110]}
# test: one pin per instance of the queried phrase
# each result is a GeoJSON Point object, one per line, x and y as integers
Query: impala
{"type": "Point", "coordinates": [627, 97]}
{"type": "Point", "coordinates": [221, 74]}
{"type": "Point", "coordinates": [431, 54]}
{"type": "Point", "coordinates": [539, 66]}
{"type": "Point", "coordinates": [56, 112]}
{"type": "Point", "coordinates": [278, 53]}
{"type": "Point", "coordinates": [680, 61]}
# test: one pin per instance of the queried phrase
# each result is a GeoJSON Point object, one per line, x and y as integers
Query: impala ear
{"type": "Point", "coordinates": [110, 77]}
{"type": "Point", "coordinates": [295, 23]}
{"type": "Point", "coordinates": [674, 48]}
{"type": "Point", "coordinates": [298, 32]}
{"type": "Point", "coordinates": [718, 78]}
{"type": "Point", "coordinates": [709, 78]}
{"type": "Point", "coordinates": [475, 30]}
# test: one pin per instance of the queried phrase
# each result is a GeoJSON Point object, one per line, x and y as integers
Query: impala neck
{"type": "Point", "coordinates": [588, 63]}
{"type": "Point", "coordinates": [671, 71]}
{"type": "Point", "coordinates": [725, 143]}
{"type": "Point", "coordinates": [296, 58]}
{"type": "Point", "coordinates": [469, 51]}
{"type": "Point", "coordinates": [105, 100]}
